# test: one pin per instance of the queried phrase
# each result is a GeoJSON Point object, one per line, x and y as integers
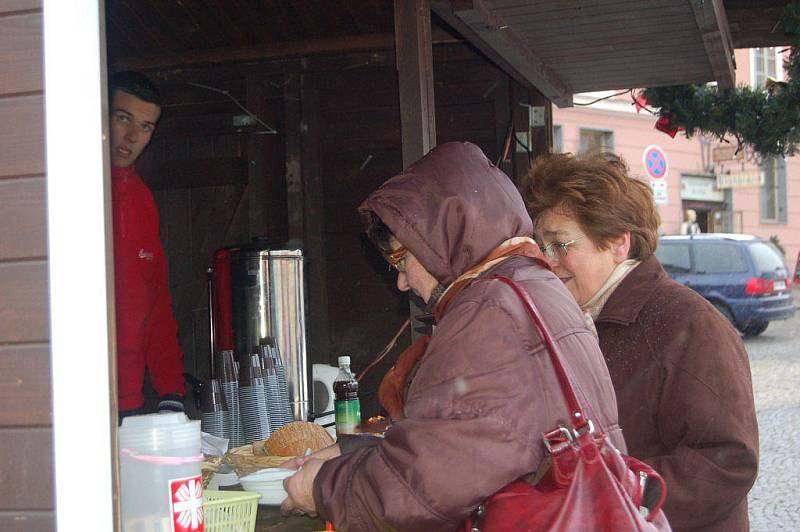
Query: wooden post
{"type": "Point", "coordinates": [542, 136]}
{"type": "Point", "coordinates": [313, 219]}
{"type": "Point", "coordinates": [414, 58]}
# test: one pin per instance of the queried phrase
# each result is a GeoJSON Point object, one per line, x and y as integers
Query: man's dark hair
{"type": "Point", "coordinates": [135, 84]}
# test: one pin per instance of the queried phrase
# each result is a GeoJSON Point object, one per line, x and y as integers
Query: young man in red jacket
{"type": "Point", "coordinates": [146, 328]}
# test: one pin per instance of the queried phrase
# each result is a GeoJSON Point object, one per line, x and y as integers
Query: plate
{"type": "Point", "coordinates": [269, 483]}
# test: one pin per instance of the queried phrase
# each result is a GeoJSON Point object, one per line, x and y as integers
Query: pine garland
{"type": "Point", "coordinates": [765, 120]}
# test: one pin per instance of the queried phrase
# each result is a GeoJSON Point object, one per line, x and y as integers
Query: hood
{"type": "Point", "coordinates": [450, 209]}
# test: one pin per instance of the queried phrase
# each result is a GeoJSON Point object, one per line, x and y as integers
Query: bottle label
{"type": "Point", "coordinates": [348, 415]}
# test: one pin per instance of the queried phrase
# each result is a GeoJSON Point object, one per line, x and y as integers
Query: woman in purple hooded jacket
{"type": "Point", "coordinates": [482, 391]}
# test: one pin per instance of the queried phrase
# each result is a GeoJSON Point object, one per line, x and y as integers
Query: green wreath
{"type": "Point", "coordinates": [766, 120]}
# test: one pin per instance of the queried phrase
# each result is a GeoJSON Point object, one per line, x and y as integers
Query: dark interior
{"type": "Point", "coordinates": [323, 81]}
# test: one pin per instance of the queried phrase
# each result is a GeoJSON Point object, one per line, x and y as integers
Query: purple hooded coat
{"type": "Point", "coordinates": [485, 390]}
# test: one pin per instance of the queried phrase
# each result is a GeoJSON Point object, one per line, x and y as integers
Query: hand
{"type": "Point", "coordinates": [300, 489]}
{"type": "Point", "coordinates": [327, 453]}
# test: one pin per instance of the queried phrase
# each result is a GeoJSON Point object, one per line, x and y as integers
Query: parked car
{"type": "Point", "coordinates": [743, 276]}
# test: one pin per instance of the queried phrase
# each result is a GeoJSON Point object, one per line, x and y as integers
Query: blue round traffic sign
{"type": "Point", "coordinates": [655, 162]}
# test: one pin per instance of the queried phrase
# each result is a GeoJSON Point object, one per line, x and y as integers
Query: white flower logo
{"type": "Point", "coordinates": [188, 505]}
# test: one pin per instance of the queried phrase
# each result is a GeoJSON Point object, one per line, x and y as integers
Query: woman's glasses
{"type": "Point", "coordinates": [397, 259]}
{"type": "Point", "coordinates": [558, 250]}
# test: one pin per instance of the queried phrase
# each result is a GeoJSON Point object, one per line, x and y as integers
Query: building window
{"type": "Point", "coordinates": [594, 141]}
{"type": "Point", "coordinates": [773, 191]}
{"type": "Point", "coordinates": [765, 65]}
{"type": "Point", "coordinates": [558, 139]}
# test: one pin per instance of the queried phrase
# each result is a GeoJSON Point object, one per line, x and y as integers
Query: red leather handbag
{"type": "Point", "coordinates": [589, 486]}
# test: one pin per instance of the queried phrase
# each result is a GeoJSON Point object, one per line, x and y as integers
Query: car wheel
{"type": "Point", "coordinates": [754, 328]}
{"type": "Point", "coordinates": [724, 311]}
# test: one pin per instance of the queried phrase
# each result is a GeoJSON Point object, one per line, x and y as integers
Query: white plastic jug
{"type": "Point", "coordinates": [160, 477]}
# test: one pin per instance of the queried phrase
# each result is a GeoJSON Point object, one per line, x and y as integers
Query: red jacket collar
{"type": "Point", "coordinates": [128, 172]}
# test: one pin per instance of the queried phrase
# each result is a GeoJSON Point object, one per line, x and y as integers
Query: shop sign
{"type": "Point", "coordinates": [654, 160]}
{"type": "Point", "coordinates": [700, 189]}
{"type": "Point", "coordinates": [727, 153]}
{"type": "Point", "coordinates": [659, 191]}
{"type": "Point", "coordinates": [746, 178]}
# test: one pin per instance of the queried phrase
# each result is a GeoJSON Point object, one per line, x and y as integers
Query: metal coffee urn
{"type": "Point", "coordinates": [267, 300]}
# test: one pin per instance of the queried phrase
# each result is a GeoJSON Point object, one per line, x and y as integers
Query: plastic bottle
{"type": "Point", "coordinates": [346, 404]}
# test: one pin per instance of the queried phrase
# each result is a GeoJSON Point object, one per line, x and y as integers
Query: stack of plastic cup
{"type": "Point", "coordinates": [253, 400]}
{"type": "Point", "coordinates": [226, 372]}
{"type": "Point", "coordinates": [280, 371]}
{"type": "Point", "coordinates": [214, 414]}
{"type": "Point", "coordinates": [277, 417]}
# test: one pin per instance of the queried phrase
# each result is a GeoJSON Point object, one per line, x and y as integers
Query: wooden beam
{"type": "Point", "coordinates": [267, 51]}
{"type": "Point", "coordinates": [314, 221]}
{"type": "Point", "coordinates": [493, 36]}
{"type": "Point", "coordinates": [542, 136]}
{"type": "Point", "coordinates": [414, 58]}
{"type": "Point", "coordinates": [712, 22]}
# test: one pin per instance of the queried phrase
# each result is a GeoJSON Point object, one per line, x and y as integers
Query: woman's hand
{"type": "Point", "coordinates": [323, 454]}
{"type": "Point", "coordinates": [300, 489]}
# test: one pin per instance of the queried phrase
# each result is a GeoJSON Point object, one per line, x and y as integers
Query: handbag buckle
{"type": "Point", "coordinates": [587, 428]}
{"type": "Point", "coordinates": [557, 439]}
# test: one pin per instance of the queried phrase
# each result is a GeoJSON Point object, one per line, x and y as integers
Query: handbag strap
{"type": "Point", "coordinates": [577, 416]}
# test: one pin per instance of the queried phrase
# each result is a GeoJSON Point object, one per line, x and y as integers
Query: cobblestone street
{"type": "Point", "coordinates": [775, 363]}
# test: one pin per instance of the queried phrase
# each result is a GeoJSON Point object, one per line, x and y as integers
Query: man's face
{"type": "Point", "coordinates": [131, 124]}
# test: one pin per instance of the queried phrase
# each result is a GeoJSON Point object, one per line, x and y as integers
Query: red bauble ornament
{"type": "Point", "coordinates": [664, 125]}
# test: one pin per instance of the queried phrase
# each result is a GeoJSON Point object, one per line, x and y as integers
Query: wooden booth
{"type": "Point", "coordinates": [345, 93]}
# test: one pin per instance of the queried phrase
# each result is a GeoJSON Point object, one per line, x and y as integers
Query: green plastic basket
{"type": "Point", "coordinates": [230, 511]}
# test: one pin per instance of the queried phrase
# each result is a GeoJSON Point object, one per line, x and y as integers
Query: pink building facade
{"type": "Point", "coordinates": [729, 193]}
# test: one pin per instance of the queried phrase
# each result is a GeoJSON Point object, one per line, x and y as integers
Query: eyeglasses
{"type": "Point", "coordinates": [397, 259]}
{"type": "Point", "coordinates": [558, 250]}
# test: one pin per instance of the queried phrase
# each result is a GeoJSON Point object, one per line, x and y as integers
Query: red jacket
{"type": "Point", "coordinates": [146, 328]}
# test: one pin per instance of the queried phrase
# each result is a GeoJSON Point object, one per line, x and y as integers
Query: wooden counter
{"type": "Point", "coordinates": [270, 520]}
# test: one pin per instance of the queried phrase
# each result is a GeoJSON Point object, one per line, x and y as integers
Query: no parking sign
{"type": "Point", "coordinates": [655, 163]}
{"type": "Point", "coordinates": [654, 160]}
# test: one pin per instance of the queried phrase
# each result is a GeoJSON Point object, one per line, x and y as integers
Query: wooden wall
{"type": "Point", "coordinates": [338, 139]}
{"type": "Point", "coordinates": [216, 184]}
{"type": "Point", "coordinates": [360, 145]}
{"type": "Point", "coordinates": [26, 447]}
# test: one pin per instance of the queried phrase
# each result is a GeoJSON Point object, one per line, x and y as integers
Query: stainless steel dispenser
{"type": "Point", "coordinates": [268, 300]}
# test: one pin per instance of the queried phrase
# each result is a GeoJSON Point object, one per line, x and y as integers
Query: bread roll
{"type": "Point", "coordinates": [294, 438]}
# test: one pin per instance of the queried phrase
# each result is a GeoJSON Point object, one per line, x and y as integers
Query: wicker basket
{"type": "Point", "coordinates": [209, 467]}
{"type": "Point", "coordinates": [244, 461]}
{"type": "Point", "coordinates": [230, 511]}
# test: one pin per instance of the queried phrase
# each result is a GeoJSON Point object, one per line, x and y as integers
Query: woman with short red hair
{"type": "Point", "coordinates": [679, 369]}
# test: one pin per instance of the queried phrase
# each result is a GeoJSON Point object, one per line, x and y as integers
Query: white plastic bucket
{"type": "Point", "coordinates": [160, 477]}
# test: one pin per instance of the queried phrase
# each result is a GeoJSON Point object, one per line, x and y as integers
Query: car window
{"type": "Point", "coordinates": [767, 257]}
{"type": "Point", "coordinates": [674, 257]}
{"type": "Point", "coordinates": [719, 258]}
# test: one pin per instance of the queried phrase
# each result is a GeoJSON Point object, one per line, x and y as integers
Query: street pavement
{"type": "Point", "coordinates": [774, 501]}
